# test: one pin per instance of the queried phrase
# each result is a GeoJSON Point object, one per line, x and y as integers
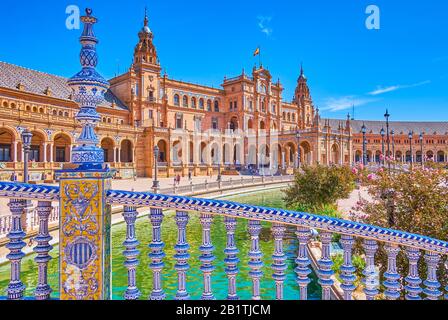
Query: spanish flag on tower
{"type": "Point", "coordinates": [257, 52]}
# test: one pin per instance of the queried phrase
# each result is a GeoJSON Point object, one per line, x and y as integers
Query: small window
{"type": "Point", "coordinates": [5, 104]}
{"type": "Point", "coordinates": [179, 121]}
{"type": "Point", "coordinates": [185, 101]}
{"type": "Point", "coordinates": [193, 103]}
{"type": "Point", "coordinates": [209, 105]}
{"type": "Point", "coordinates": [216, 106]}
{"type": "Point", "coordinates": [176, 100]}
{"type": "Point", "coordinates": [201, 103]}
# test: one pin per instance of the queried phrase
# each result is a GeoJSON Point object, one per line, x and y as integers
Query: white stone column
{"type": "Point", "coordinates": [15, 154]}
{"type": "Point", "coordinates": [45, 151]}
{"type": "Point", "coordinates": [119, 155]}
{"type": "Point", "coordinates": [51, 152]}
{"type": "Point", "coordinates": [115, 154]}
{"type": "Point", "coordinates": [283, 160]}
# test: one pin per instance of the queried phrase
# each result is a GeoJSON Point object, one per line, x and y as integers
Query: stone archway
{"type": "Point", "coordinates": [335, 154]}
{"type": "Point", "coordinates": [126, 151]}
{"type": "Point", "coordinates": [305, 153]}
{"type": "Point", "coordinates": [8, 145]}
{"type": "Point", "coordinates": [62, 148]}
{"type": "Point", "coordinates": [108, 146]}
{"type": "Point", "coordinates": [162, 151]}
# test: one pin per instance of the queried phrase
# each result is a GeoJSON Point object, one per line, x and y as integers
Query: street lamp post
{"type": "Point", "coordinates": [219, 170]}
{"type": "Point", "coordinates": [155, 182]}
{"type": "Point", "coordinates": [382, 143]}
{"type": "Point", "coordinates": [26, 140]}
{"type": "Point", "coordinates": [26, 144]}
{"type": "Point", "coordinates": [421, 148]}
{"type": "Point", "coordinates": [387, 115]}
{"type": "Point", "coordinates": [393, 146]}
{"type": "Point", "coordinates": [364, 145]}
{"type": "Point", "coordinates": [411, 135]}
{"type": "Point", "coordinates": [298, 149]}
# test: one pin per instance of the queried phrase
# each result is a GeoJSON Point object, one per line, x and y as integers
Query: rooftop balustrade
{"type": "Point", "coordinates": [389, 285]}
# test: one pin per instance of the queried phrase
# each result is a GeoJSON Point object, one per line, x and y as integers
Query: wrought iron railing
{"type": "Point", "coordinates": [373, 239]}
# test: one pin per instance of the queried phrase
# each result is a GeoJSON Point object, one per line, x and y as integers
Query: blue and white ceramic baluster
{"type": "Point", "coordinates": [182, 255]}
{"type": "Point", "coordinates": [371, 278]}
{"type": "Point", "coordinates": [156, 255]}
{"type": "Point", "coordinates": [207, 256]}
{"type": "Point", "coordinates": [279, 266]}
{"type": "Point", "coordinates": [392, 283]}
{"type": "Point", "coordinates": [431, 283]}
{"type": "Point", "coordinates": [325, 265]}
{"type": "Point", "coordinates": [42, 249]}
{"type": "Point", "coordinates": [446, 288]}
{"type": "Point", "coordinates": [303, 262]}
{"type": "Point", "coordinates": [413, 281]}
{"type": "Point", "coordinates": [347, 269]}
{"type": "Point", "coordinates": [131, 253]}
{"type": "Point", "coordinates": [15, 287]}
{"type": "Point", "coordinates": [255, 256]}
{"type": "Point", "coordinates": [231, 260]}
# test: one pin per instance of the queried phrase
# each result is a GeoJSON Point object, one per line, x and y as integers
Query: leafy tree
{"type": "Point", "coordinates": [415, 201]}
{"type": "Point", "coordinates": [317, 188]}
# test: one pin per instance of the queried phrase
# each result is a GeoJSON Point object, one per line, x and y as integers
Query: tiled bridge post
{"type": "Point", "coordinates": [85, 242]}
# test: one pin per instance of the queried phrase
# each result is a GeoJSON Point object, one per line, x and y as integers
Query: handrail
{"type": "Point", "coordinates": [237, 210]}
{"type": "Point", "coordinates": [17, 190]}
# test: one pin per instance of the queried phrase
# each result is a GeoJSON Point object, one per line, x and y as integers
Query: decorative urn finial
{"type": "Point", "coordinates": [88, 88]}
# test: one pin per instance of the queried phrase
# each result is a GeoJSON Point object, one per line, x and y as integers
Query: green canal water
{"type": "Point", "coordinates": [271, 198]}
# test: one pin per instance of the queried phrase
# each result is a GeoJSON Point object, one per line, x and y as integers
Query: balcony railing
{"type": "Point", "coordinates": [373, 239]}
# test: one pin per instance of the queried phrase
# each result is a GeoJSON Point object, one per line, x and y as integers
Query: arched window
{"type": "Point", "coordinates": [5, 104]}
{"type": "Point", "coordinates": [55, 113]}
{"type": "Point", "coordinates": [60, 113]}
{"type": "Point", "coordinates": [201, 103]}
{"type": "Point", "coordinates": [209, 105]}
{"type": "Point", "coordinates": [293, 117]}
{"type": "Point", "coordinates": [176, 100]}
{"type": "Point", "coordinates": [185, 101]}
{"type": "Point", "coordinates": [66, 114]}
{"type": "Point", "coordinates": [28, 108]}
{"type": "Point", "coordinates": [13, 105]}
{"type": "Point", "coordinates": [216, 106]}
{"type": "Point", "coordinates": [193, 103]}
{"type": "Point", "coordinates": [41, 110]}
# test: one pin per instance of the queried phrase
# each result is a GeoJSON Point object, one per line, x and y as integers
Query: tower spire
{"type": "Point", "coordinates": [145, 21]}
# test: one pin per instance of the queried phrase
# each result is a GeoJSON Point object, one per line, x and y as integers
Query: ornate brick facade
{"type": "Point", "coordinates": [245, 123]}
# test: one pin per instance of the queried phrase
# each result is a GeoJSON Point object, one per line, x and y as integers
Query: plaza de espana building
{"type": "Point", "coordinates": [243, 125]}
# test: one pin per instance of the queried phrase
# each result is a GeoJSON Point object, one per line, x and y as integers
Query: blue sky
{"type": "Point", "coordinates": [403, 66]}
